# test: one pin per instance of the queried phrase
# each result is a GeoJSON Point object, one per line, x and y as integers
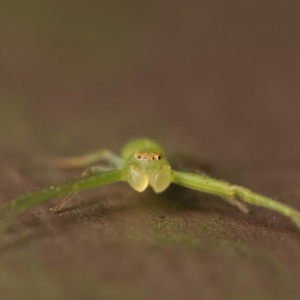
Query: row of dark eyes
{"type": "Point", "coordinates": [158, 157]}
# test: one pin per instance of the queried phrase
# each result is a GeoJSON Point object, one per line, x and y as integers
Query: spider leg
{"type": "Point", "coordinates": [238, 204]}
{"type": "Point", "coordinates": [231, 192]}
{"type": "Point", "coordinates": [204, 169]}
{"type": "Point", "coordinates": [88, 171]}
{"type": "Point", "coordinates": [260, 200]}
{"type": "Point", "coordinates": [89, 159]}
{"type": "Point", "coordinates": [23, 203]}
{"type": "Point", "coordinates": [209, 185]}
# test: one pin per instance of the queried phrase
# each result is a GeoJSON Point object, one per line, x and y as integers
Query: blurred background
{"type": "Point", "coordinates": [196, 74]}
{"type": "Point", "coordinates": [215, 79]}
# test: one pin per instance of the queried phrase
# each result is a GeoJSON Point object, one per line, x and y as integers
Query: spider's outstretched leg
{"type": "Point", "coordinates": [90, 159]}
{"type": "Point", "coordinates": [238, 204]}
{"type": "Point", "coordinates": [88, 171]}
{"type": "Point", "coordinates": [260, 200]}
{"type": "Point", "coordinates": [23, 203]}
{"type": "Point", "coordinates": [209, 185]}
{"type": "Point", "coordinates": [204, 170]}
{"type": "Point", "coordinates": [83, 161]}
{"type": "Point", "coordinates": [229, 192]}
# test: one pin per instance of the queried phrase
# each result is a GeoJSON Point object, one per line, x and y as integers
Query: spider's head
{"type": "Point", "coordinates": [148, 168]}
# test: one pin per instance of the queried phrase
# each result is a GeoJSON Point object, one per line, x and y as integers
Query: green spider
{"type": "Point", "coordinates": [142, 164]}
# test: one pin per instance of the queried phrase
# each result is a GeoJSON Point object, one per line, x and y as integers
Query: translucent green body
{"type": "Point", "coordinates": [142, 163]}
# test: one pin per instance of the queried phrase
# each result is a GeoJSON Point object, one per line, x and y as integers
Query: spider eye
{"type": "Point", "coordinates": [139, 156]}
{"type": "Point", "coordinates": [159, 157]}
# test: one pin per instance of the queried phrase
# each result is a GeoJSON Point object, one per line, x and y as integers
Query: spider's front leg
{"type": "Point", "coordinates": [260, 200]}
{"type": "Point", "coordinates": [231, 192]}
{"type": "Point", "coordinates": [209, 185]}
{"type": "Point", "coordinates": [25, 202]}
{"type": "Point", "coordinates": [83, 161]}
{"type": "Point", "coordinates": [87, 172]}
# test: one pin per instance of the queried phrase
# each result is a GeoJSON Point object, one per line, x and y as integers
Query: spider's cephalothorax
{"type": "Point", "coordinates": [146, 165]}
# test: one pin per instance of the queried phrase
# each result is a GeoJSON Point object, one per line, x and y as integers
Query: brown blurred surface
{"type": "Point", "coordinates": [216, 80]}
